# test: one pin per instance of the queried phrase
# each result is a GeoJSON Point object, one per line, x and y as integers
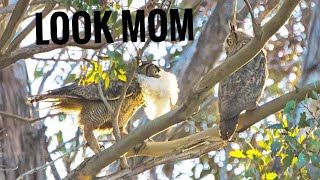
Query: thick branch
{"type": "Point", "coordinates": [181, 113]}
{"type": "Point", "coordinates": [29, 51]}
{"type": "Point", "coordinates": [246, 120]}
{"type": "Point", "coordinates": [183, 148]}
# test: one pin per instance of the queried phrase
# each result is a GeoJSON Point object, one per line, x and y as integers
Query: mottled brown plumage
{"type": "Point", "coordinates": [242, 90]}
{"type": "Point", "coordinates": [92, 113]}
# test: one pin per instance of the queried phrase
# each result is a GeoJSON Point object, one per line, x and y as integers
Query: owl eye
{"type": "Point", "coordinates": [229, 41]}
{"type": "Point", "coordinates": [155, 71]}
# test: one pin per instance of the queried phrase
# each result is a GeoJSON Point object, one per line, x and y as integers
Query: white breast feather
{"type": "Point", "coordinates": [159, 93]}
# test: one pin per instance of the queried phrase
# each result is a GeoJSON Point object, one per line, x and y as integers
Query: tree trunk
{"type": "Point", "coordinates": [22, 145]}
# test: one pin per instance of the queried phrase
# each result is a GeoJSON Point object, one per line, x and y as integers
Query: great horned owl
{"type": "Point", "coordinates": [242, 90]}
{"type": "Point", "coordinates": [151, 86]}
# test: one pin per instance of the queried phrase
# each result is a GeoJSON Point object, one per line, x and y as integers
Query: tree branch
{"type": "Point", "coordinates": [13, 23]}
{"type": "Point", "coordinates": [200, 92]}
{"type": "Point", "coordinates": [29, 28]}
{"type": "Point", "coordinates": [183, 148]}
{"type": "Point", "coordinates": [23, 119]}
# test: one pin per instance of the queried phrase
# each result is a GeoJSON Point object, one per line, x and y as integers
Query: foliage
{"type": "Point", "coordinates": [115, 70]}
{"type": "Point", "coordinates": [295, 145]}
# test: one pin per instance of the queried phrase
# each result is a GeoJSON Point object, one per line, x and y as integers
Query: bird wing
{"type": "Point", "coordinates": [111, 93]}
{"type": "Point", "coordinates": [90, 92]}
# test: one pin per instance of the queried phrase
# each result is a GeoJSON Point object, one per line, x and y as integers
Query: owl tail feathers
{"type": "Point", "coordinates": [228, 127]}
{"type": "Point", "coordinates": [42, 97]}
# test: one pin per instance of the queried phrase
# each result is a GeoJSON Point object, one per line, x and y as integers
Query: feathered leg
{"type": "Point", "coordinates": [91, 140]}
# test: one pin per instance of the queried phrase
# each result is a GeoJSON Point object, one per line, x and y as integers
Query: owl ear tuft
{"type": "Point", "coordinates": [232, 27]}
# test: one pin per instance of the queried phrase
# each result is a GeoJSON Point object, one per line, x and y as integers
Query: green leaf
{"type": "Point", "coordinates": [302, 122]}
{"type": "Point", "coordinates": [71, 78]}
{"type": "Point", "coordinates": [314, 95]}
{"type": "Point", "coordinates": [315, 159]}
{"type": "Point", "coordinates": [317, 132]}
{"type": "Point", "coordinates": [291, 105]}
{"type": "Point", "coordinates": [59, 137]}
{"type": "Point", "coordinates": [115, 55]}
{"type": "Point", "coordinates": [275, 147]}
{"type": "Point", "coordinates": [294, 144]}
{"type": "Point", "coordinates": [275, 126]}
{"type": "Point", "coordinates": [311, 123]}
{"type": "Point", "coordinates": [287, 161]}
{"type": "Point", "coordinates": [96, 78]}
{"type": "Point", "coordinates": [301, 160]}
{"type": "Point", "coordinates": [38, 73]}
{"type": "Point", "coordinates": [313, 146]}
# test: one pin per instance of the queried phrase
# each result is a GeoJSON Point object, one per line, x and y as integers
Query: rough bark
{"type": "Point", "coordinates": [311, 58]}
{"type": "Point", "coordinates": [23, 146]}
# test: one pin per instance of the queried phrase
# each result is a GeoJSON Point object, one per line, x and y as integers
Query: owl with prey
{"type": "Point", "coordinates": [243, 89]}
{"type": "Point", "coordinates": [151, 86]}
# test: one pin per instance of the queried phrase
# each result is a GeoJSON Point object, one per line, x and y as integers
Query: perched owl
{"type": "Point", "coordinates": [151, 86]}
{"type": "Point", "coordinates": [242, 90]}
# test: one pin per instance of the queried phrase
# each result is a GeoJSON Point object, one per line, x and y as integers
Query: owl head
{"type": "Point", "coordinates": [235, 40]}
{"type": "Point", "coordinates": [149, 69]}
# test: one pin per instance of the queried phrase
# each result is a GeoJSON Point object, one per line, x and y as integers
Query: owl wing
{"type": "Point", "coordinates": [90, 92]}
{"type": "Point", "coordinates": [112, 92]}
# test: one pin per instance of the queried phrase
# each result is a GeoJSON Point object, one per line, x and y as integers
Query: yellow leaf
{"type": "Point", "coordinates": [253, 152]}
{"type": "Point", "coordinates": [294, 161]}
{"type": "Point", "coordinates": [285, 122]}
{"type": "Point", "coordinates": [263, 145]}
{"type": "Point", "coordinates": [91, 77]}
{"type": "Point", "coordinates": [100, 69]}
{"type": "Point", "coordinates": [122, 77]}
{"type": "Point", "coordinates": [106, 82]}
{"type": "Point", "coordinates": [237, 154]}
{"type": "Point", "coordinates": [301, 138]}
{"type": "Point", "coordinates": [294, 133]}
{"type": "Point", "coordinates": [121, 71]}
{"type": "Point", "coordinates": [269, 134]}
{"type": "Point", "coordinates": [104, 75]}
{"type": "Point", "coordinates": [269, 176]}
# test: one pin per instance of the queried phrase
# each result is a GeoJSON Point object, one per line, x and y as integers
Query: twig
{"type": "Point", "coordinates": [104, 100]}
{"type": "Point", "coordinates": [21, 177]}
{"type": "Point", "coordinates": [13, 23]}
{"type": "Point", "coordinates": [22, 119]}
{"type": "Point", "coordinates": [29, 28]}
{"type": "Point", "coordinates": [53, 169]}
{"type": "Point", "coordinates": [255, 24]}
